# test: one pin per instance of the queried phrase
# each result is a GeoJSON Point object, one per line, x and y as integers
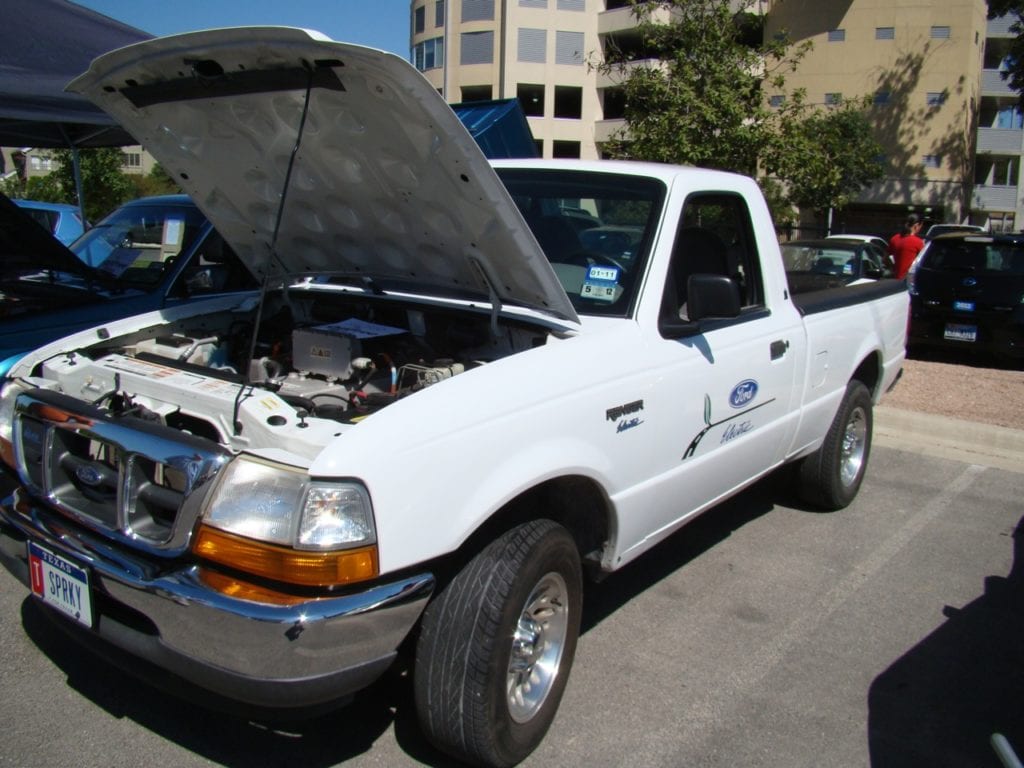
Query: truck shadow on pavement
{"type": "Point", "coordinates": [940, 702]}
{"type": "Point", "coordinates": [190, 717]}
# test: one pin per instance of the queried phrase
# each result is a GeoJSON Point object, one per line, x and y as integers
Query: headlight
{"type": "Point", "coordinates": [274, 521]}
{"type": "Point", "coordinates": [281, 505]}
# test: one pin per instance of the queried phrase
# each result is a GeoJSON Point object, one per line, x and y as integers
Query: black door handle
{"type": "Point", "coordinates": [778, 348]}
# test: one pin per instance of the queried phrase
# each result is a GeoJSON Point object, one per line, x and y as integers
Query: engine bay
{"type": "Point", "coordinates": [299, 369]}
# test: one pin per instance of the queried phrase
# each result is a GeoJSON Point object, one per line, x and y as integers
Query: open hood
{"type": "Point", "coordinates": [24, 245]}
{"type": "Point", "coordinates": [380, 179]}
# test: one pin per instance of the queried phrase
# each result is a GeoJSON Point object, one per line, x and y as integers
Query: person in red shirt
{"type": "Point", "coordinates": [904, 246]}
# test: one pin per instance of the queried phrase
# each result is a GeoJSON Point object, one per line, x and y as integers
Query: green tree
{"type": "Point", "coordinates": [703, 102]}
{"type": "Point", "coordinates": [1014, 73]}
{"type": "Point", "coordinates": [824, 156]}
{"type": "Point", "coordinates": [104, 185]}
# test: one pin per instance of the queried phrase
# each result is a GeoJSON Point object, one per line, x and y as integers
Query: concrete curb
{"type": "Point", "coordinates": [946, 438]}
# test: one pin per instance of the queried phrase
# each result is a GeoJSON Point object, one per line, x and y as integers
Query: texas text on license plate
{"type": "Point", "coordinates": [60, 583]}
{"type": "Point", "coordinates": [957, 332]}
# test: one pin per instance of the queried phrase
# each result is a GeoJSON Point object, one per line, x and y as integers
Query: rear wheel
{"type": "Point", "coordinates": [831, 476]}
{"type": "Point", "coordinates": [496, 646]}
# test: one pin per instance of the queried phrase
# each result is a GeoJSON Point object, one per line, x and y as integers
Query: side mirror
{"type": "Point", "coordinates": [712, 296]}
{"type": "Point", "coordinates": [708, 296]}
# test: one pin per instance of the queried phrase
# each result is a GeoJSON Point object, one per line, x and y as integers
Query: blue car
{"type": "Point", "coordinates": [61, 220]}
{"type": "Point", "coordinates": [148, 254]}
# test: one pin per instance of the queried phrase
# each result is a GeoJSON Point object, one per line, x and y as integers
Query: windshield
{"type": "Point", "coordinates": [135, 243]}
{"type": "Point", "coordinates": [818, 259]}
{"type": "Point", "coordinates": [596, 230]}
{"type": "Point", "coordinates": [977, 257]}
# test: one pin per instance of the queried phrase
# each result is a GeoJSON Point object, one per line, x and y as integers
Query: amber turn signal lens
{"type": "Point", "coordinates": [292, 566]}
{"type": "Point", "coordinates": [243, 590]}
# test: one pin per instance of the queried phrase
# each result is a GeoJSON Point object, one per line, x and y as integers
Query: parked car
{"type": "Point", "coordinates": [879, 242]}
{"type": "Point", "coordinates": [148, 254]}
{"type": "Point", "coordinates": [424, 445]}
{"type": "Point", "coordinates": [967, 293]}
{"type": "Point", "coordinates": [61, 220]}
{"type": "Point", "coordinates": [812, 265]}
{"type": "Point", "coordinates": [944, 229]}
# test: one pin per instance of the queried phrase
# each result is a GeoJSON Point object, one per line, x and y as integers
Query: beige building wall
{"type": "Point", "coordinates": [541, 51]}
{"type": "Point", "coordinates": [920, 61]}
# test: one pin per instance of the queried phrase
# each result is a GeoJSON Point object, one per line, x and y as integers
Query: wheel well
{"type": "Point", "coordinates": [577, 503]}
{"type": "Point", "coordinates": [869, 372]}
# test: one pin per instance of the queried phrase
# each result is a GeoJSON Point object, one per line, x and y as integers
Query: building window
{"type": "Point", "coordinates": [477, 47]}
{"type": "Point", "coordinates": [565, 149]}
{"type": "Point", "coordinates": [539, 146]}
{"type": "Point", "coordinates": [533, 3]}
{"type": "Point", "coordinates": [429, 54]}
{"type": "Point", "coordinates": [614, 102]}
{"type": "Point", "coordinates": [569, 48]}
{"type": "Point", "coordinates": [885, 33]}
{"type": "Point", "coordinates": [880, 160]}
{"type": "Point", "coordinates": [836, 35]}
{"type": "Point", "coordinates": [935, 98]}
{"type": "Point", "coordinates": [38, 163]}
{"type": "Point", "coordinates": [833, 99]}
{"type": "Point", "coordinates": [419, 20]}
{"type": "Point", "coordinates": [881, 97]}
{"type": "Point", "coordinates": [533, 45]}
{"type": "Point", "coordinates": [932, 161]}
{"type": "Point", "coordinates": [131, 160]}
{"type": "Point", "coordinates": [568, 102]}
{"type": "Point", "coordinates": [776, 101]}
{"type": "Point", "coordinates": [940, 33]}
{"type": "Point", "coordinates": [572, 5]}
{"type": "Point", "coordinates": [476, 93]}
{"type": "Point", "coordinates": [531, 99]}
{"type": "Point", "coordinates": [478, 10]}
{"type": "Point", "coordinates": [439, 13]}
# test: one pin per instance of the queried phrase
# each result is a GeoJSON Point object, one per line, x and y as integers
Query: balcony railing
{"type": "Point", "coordinates": [992, 84]}
{"type": "Point", "coordinates": [994, 198]}
{"type": "Point", "coordinates": [1001, 141]}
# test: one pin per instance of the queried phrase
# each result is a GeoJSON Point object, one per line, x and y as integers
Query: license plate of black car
{"type": "Point", "coordinates": [960, 332]}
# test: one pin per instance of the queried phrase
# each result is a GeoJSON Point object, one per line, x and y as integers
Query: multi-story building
{"type": "Point", "coordinates": [921, 65]}
{"type": "Point", "coordinates": [951, 131]}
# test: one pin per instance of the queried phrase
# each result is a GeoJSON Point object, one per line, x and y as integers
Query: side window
{"type": "Point", "coordinates": [715, 236]}
{"type": "Point", "coordinates": [215, 268]}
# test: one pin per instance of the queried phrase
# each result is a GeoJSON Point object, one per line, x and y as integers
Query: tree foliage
{"type": "Point", "coordinates": [702, 102]}
{"type": "Point", "coordinates": [695, 92]}
{"type": "Point", "coordinates": [825, 156]}
{"type": "Point", "coordinates": [1014, 73]}
{"type": "Point", "coordinates": [104, 185]}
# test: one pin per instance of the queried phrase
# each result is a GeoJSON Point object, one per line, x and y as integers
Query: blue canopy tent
{"type": "Point", "coordinates": [43, 45]}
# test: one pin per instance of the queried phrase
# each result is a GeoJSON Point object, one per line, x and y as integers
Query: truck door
{"type": "Point", "coordinates": [730, 387]}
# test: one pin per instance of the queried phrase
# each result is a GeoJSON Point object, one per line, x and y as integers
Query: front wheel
{"type": "Point", "coordinates": [496, 646]}
{"type": "Point", "coordinates": [831, 476]}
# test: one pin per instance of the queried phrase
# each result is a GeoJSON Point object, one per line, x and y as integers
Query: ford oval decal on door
{"type": "Point", "coordinates": [743, 393]}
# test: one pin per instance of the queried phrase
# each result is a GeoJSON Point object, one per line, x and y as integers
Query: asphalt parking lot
{"type": "Point", "coordinates": [764, 634]}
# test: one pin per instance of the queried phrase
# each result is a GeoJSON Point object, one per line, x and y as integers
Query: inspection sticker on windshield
{"type": "Point", "coordinates": [601, 283]}
{"type": "Point", "coordinates": [60, 583]}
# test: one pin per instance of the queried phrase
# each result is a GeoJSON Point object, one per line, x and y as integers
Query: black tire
{"type": "Point", "coordinates": [480, 693]}
{"type": "Point", "coordinates": [831, 476]}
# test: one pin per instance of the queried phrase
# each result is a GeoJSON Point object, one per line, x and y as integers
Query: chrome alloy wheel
{"type": "Point", "coordinates": [537, 645]}
{"type": "Point", "coordinates": [853, 448]}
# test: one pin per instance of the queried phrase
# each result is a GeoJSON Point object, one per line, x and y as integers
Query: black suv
{"type": "Point", "coordinates": [966, 292]}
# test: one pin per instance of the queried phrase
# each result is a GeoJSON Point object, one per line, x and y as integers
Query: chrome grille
{"type": "Point", "coordinates": [134, 480]}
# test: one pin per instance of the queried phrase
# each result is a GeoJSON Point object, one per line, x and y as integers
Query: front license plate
{"type": "Point", "coordinates": [957, 332]}
{"type": "Point", "coordinates": [60, 583]}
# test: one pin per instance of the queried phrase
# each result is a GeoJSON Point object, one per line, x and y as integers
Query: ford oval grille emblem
{"type": "Point", "coordinates": [743, 393]}
{"type": "Point", "coordinates": [89, 476]}
{"type": "Point", "coordinates": [970, 282]}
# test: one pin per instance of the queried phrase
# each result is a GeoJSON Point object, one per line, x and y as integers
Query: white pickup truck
{"type": "Point", "coordinates": [463, 387]}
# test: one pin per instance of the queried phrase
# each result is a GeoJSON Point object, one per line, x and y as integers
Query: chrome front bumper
{"type": "Point", "coordinates": [256, 653]}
